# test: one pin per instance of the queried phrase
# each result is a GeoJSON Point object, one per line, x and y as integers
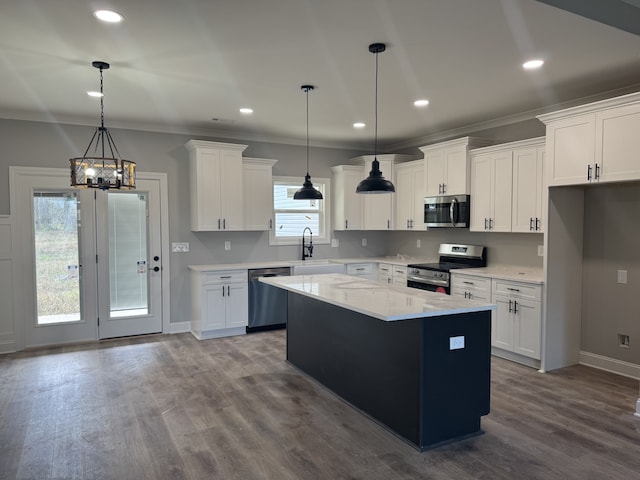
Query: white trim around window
{"type": "Point", "coordinates": [292, 216]}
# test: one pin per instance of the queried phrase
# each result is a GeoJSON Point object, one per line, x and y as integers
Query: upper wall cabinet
{"type": "Point", "coordinates": [378, 210]}
{"type": "Point", "coordinates": [597, 142]}
{"type": "Point", "coordinates": [507, 187]}
{"type": "Point", "coordinates": [215, 176]}
{"type": "Point", "coordinates": [448, 169]}
{"type": "Point", "coordinates": [257, 183]}
{"type": "Point", "coordinates": [347, 204]}
{"type": "Point", "coordinates": [410, 193]}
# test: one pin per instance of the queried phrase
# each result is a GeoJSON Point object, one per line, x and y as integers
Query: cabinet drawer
{"type": "Point", "coordinates": [224, 276]}
{"type": "Point", "coordinates": [360, 269]}
{"type": "Point", "coordinates": [467, 282]}
{"type": "Point", "coordinates": [384, 269]}
{"type": "Point", "coordinates": [517, 290]}
{"type": "Point", "coordinates": [400, 270]}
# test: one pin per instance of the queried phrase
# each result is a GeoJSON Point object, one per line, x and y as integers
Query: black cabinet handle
{"type": "Point", "coordinates": [530, 223]}
{"type": "Point", "coordinates": [510, 306]}
{"type": "Point", "coordinates": [515, 306]}
{"type": "Point", "coordinates": [218, 224]}
{"type": "Point", "coordinates": [589, 172]}
{"type": "Point", "coordinates": [224, 223]}
{"type": "Point", "coordinates": [597, 175]}
{"type": "Point", "coordinates": [228, 291]}
{"type": "Point", "coordinates": [537, 223]}
{"type": "Point", "coordinates": [156, 269]}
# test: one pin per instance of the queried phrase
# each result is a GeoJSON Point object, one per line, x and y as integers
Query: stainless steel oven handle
{"type": "Point", "coordinates": [444, 283]}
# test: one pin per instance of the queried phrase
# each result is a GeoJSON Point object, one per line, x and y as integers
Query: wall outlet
{"type": "Point", "coordinates": [541, 250]}
{"type": "Point", "coordinates": [456, 343]}
{"type": "Point", "coordinates": [622, 276]}
{"type": "Point", "coordinates": [227, 245]}
{"type": "Point", "coordinates": [623, 340]}
{"type": "Point", "coordinates": [180, 247]}
{"type": "Point", "coordinates": [334, 242]}
{"type": "Point", "coordinates": [364, 242]}
{"type": "Point", "coordinates": [418, 243]}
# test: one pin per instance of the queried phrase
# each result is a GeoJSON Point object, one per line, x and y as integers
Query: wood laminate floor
{"type": "Point", "coordinates": [171, 407]}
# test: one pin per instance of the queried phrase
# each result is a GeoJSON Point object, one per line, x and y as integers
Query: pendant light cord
{"type": "Point", "coordinates": [307, 91]}
{"type": "Point", "coordinates": [375, 132]}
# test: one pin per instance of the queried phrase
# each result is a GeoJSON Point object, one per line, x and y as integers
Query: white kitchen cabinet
{"type": "Point", "coordinates": [528, 189]}
{"type": "Point", "coordinates": [470, 287]}
{"type": "Point", "coordinates": [617, 143]}
{"type": "Point", "coordinates": [378, 209]}
{"type": "Point", "coordinates": [219, 303]}
{"type": "Point", "coordinates": [215, 177]}
{"type": "Point", "coordinates": [517, 324]}
{"type": "Point", "coordinates": [410, 193]}
{"type": "Point", "coordinates": [592, 143]}
{"type": "Point", "coordinates": [257, 184]}
{"type": "Point", "coordinates": [347, 204]}
{"type": "Point", "coordinates": [399, 276]}
{"type": "Point", "coordinates": [385, 273]}
{"type": "Point", "coordinates": [363, 270]}
{"type": "Point", "coordinates": [491, 176]}
{"type": "Point", "coordinates": [447, 166]}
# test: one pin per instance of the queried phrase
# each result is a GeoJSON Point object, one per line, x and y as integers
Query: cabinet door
{"type": "Point", "coordinates": [456, 174]}
{"type": "Point", "coordinates": [378, 208]}
{"type": "Point", "coordinates": [258, 197]}
{"type": "Point", "coordinates": [527, 190]}
{"type": "Point", "coordinates": [404, 197]}
{"type": "Point", "coordinates": [347, 204]}
{"type": "Point", "coordinates": [502, 325]}
{"type": "Point", "coordinates": [618, 143]}
{"type": "Point", "coordinates": [528, 322]}
{"type": "Point", "coordinates": [417, 220]}
{"type": "Point", "coordinates": [231, 189]}
{"type": "Point", "coordinates": [204, 174]}
{"type": "Point", "coordinates": [501, 183]}
{"type": "Point", "coordinates": [571, 150]}
{"type": "Point", "coordinates": [213, 310]}
{"type": "Point", "coordinates": [480, 193]}
{"type": "Point", "coordinates": [237, 305]}
{"type": "Point", "coordinates": [435, 168]}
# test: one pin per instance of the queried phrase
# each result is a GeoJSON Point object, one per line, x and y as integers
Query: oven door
{"type": "Point", "coordinates": [438, 286]}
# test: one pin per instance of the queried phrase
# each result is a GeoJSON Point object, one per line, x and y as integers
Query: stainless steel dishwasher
{"type": "Point", "coordinates": [267, 304]}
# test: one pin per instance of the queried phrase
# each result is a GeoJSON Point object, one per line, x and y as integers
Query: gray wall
{"type": "Point", "coordinates": [611, 243]}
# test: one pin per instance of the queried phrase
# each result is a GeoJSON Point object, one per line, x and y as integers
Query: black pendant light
{"type": "Point", "coordinates": [308, 191]}
{"type": "Point", "coordinates": [375, 182]}
{"type": "Point", "coordinates": [95, 169]}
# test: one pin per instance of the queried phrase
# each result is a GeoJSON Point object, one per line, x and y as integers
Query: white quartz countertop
{"type": "Point", "coordinates": [519, 274]}
{"type": "Point", "coordinates": [381, 301]}
{"type": "Point", "coordinates": [396, 260]}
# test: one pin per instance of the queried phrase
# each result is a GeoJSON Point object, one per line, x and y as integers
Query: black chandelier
{"type": "Point", "coordinates": [94, 169]}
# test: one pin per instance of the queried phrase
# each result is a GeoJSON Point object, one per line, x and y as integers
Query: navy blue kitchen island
{"type": "Point", "coordinates": [416, 362]}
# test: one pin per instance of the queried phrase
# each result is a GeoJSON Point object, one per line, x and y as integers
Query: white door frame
{"type": "Point", "coordinates": [22, 183]}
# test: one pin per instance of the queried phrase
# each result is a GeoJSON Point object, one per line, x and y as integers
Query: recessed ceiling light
{"type": "Point", "coordinates": [108, 16]}
{"type": "Point", "coordinates": [532, 64]}
{"type": "Point", "coordinates": [359, 125]}
{"type": "Point", "coordinates": [95, 94]}
{"type": "Point", "coordinates": [246, 111]}
{"type": "Point", "coordinates": [423, 102]}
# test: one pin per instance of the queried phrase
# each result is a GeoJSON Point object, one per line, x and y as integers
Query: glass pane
{"type": "Point", "coordinates": [56, 228]}
{"type": "Point", "coordinates": [292, 224]}
{"type": "Point", "coordinates": [128, 261]}
{"type": "Point", "coordinates": [283, 198]}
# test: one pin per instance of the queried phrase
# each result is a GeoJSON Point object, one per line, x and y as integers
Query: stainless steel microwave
{"type": "Point", "coordinates": [447, 211]}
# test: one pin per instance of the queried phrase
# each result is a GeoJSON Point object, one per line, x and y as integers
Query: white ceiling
{"type": "Point", "coordinates": [176, 64]}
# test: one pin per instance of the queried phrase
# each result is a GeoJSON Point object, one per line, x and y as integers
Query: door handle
{"type": "Point", "coordinates": [270, 224]}
{"type": "Point", "coordinates": [218, 224]}
{"type": "Point", "coordinates": [515, 306]}
{"type": "Point", "coordinates": [224, 223]}
{"type": "Point", "coordinates": [537, 223]}
{"type": "Point", "coordinates": [485, 223]}
{"type": "Point", "coordinates": [228, 291]}
{"type": "Point", "coordinates": [510, 301]}
{"type": "Point", "coordinates": [531, 223]}
{"type": "Point", "coordinates": [597, 175]}
{"type": "Point", "coordinates": [589, 172]}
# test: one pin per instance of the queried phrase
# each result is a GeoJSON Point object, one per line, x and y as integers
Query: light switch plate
{"type": "Point", "coordinates": [180, 247]}
{"type": "Point", "coordinates": [541, 250]}
{"type": "Point", "coordinates": [334, 242]}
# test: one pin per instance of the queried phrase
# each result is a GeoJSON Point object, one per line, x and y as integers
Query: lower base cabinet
{"type": "Point", "coordinates": [364, 270]}
{"type": "Point", "coordinates": [220, 303]}
{"type": "Point", "coordinates": [517, 324]}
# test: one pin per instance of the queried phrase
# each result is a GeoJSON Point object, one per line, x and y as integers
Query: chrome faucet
{"type": "Point", "coordinates": [307, 250]}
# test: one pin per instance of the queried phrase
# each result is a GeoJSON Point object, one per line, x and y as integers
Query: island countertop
{"type": "Point", "coordinates": [381, 301]}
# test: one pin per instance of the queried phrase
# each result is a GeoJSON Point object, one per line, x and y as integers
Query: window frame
{"type": "Point", "coordinates": [324, 211]}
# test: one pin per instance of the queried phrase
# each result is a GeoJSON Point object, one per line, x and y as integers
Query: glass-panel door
{"type": "Point", "coordinates": [57, 257]}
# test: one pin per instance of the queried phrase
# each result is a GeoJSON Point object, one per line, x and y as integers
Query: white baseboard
{"type": "Point", "coordinates": [180, 327]}
{"type": "Point", "coordinates": [612, 365]}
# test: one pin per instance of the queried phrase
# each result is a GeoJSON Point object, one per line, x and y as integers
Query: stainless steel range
{"type": "Point", "coordinates": [435, 276]}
